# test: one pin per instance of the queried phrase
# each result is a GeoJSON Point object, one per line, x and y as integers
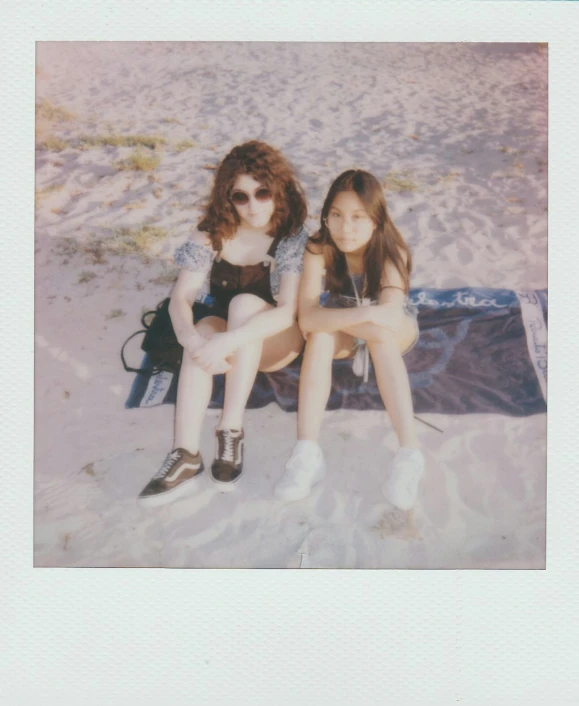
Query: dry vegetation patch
{"type": "Point", "coordinates": [184, 145]}
{"type": "Point", "coordinates": [85, 276]}
{"type": "Point", "coordinates": [51, 144]}
{"type": "Point", "coordinates": [139, 161]}
{"type": "Point", "coordinates": [399, 181]}
{"type": "Point", "coordinates": [48, 117]}
{"type": "Point", "coordinates": [152, 142]}
{"type": "Point", "coordinates": [94, 248]}
{"type": "Point", "coordinates": [50, 189]}
{"type": "Point", "coordinates": [46, 110]}
{"type": "Point", "coordinates": [138, 240]}
{"type": "Point", "coordinates": [115, 314]}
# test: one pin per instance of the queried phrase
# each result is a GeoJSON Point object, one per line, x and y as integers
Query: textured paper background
{"type": "Point", "coordinates": [271, 637]}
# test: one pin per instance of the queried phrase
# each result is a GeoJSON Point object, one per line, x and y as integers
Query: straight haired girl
{"type": "Point", "coordinates": [367, 267]}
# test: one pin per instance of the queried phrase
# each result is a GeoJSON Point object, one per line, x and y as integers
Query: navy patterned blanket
{"type": "Point", "coordinates": [479, 351]}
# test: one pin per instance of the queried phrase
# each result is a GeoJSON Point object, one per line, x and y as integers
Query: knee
{"type": "Point", "coordinates": [209, 326]}
{"type": "Point", "coordinates": [243, 306]}
{"type": "Point", "coordinates": [379, 334]}
{"type": "Point", "coordinates": [321, 342]}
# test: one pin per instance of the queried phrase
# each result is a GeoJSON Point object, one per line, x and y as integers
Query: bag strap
{"type": "Point", "coordinates": [143, 319]}
{"type": "Point", "coordinates": [127, 367]}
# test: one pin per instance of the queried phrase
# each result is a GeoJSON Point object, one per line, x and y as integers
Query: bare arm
{"type": "Point", "coordinates": [389, 311]}
{"type": "Point", "coordinates": [261, 326]}
{"type": "Point", "coordinates": [181, 305]}
{"type": "Point", "coordinates": [316, 318]}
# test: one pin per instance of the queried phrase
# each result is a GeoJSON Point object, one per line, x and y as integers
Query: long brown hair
{"type": "Point", "coordinates": [268, 166]}
{"type": "Point", "coordinates": [385, 244]}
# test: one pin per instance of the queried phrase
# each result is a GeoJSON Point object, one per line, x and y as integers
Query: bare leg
{"type": "Point", "coordinates": [407, 467]}
{"type": "Point", "coordinates": [240, 377]}
{"type": "Point", "coordinates": [386, 348]}
{"type": "Point", "coordinates": [306, 466]}
{"type": "Point", "coordinates": [279, 350]}
{"type": "Point", "coordinates": [394, 387]}
{"type": "Point", "coordinates": [316, 380]}
{"type": "Point", "coordinates": [194, 392]}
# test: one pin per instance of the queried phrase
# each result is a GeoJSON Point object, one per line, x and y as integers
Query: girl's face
{"type": "Point", "coordinates": [350, 226]}
{"type": "Point", "coordinates": [252, 201]}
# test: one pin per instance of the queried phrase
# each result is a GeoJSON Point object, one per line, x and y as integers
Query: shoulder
{"type": "Point", "coordinates": [196, 253]}
{"type": "Point", "coordinates": [403, 253]}
{"type": "Point", "coordinates": [297, 239]}
{"type": "Point", "coordinates": [290, 251]}
{"type": "Point", "coordinates": [314, 245]}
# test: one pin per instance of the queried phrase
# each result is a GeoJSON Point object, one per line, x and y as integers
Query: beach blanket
{"type": "Point", "coordinates": [480, 351]}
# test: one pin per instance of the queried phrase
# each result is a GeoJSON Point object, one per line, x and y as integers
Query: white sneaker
{"type": "Point", "coordinates": [304, 469]}
{"type": "Point", "coordinates": [406, 470]}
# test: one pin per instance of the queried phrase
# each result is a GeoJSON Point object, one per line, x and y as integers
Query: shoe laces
{"type": "Point", "coordinates": [167, 464]}
{"type": "Point", "coordinates": [228, 448]}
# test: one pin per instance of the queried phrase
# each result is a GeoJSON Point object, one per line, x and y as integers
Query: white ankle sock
{"type": "Point", "coordinates": [306, 444]}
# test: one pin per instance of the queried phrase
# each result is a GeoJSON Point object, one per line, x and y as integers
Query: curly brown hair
{"type": "Point", "coordinates": [385, 244]}
{"type": "Point", "coordinates": [267, 166]}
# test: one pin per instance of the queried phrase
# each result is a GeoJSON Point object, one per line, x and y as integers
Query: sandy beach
{"type": "Point", "coordinates": [128, 135]}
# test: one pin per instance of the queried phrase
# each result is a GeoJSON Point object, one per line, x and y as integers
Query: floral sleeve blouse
{"type": "Point", "coordinates": [289, 256]}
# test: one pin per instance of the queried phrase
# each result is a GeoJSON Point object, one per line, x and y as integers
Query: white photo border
{"type": "Point", "coordinates": [285, 637]}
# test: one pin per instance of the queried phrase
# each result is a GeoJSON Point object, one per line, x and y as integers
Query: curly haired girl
{"type": "Point", "coordinates": [247, 252]}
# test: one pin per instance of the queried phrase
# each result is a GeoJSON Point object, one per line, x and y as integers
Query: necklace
{"type": "Point", "coordinates": [361, 362]}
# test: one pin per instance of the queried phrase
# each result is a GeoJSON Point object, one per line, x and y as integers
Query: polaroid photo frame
{"type": "Point", "coordinates": [67, 609]}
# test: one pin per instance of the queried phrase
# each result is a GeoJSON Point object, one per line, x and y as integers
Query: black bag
{"type": "Point", "coordinates": [160, 343]}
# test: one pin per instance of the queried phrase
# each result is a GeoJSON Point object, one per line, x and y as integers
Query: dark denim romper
{"type": "Point", "coordinates": [228, 280]}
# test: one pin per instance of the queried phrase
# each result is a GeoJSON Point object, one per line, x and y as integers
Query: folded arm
{"type": "Point", "coordinates": [316, 318]}
{"type": "Point", "coordinates": [257, 328]}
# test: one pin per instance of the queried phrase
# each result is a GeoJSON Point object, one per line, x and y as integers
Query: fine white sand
{"type": "Point", "coordinates": [458, 134]}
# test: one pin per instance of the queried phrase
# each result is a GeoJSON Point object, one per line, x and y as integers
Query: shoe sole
{"type": "Point", "coordinates": [171, 495]}
{"type": "Point", "coordinates": [226, 486]}
{"type": "Point", "coordinates": [303, 497]}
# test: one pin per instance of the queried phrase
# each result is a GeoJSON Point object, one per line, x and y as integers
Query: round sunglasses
{"type": "Point", "coordinates": [240, 198]}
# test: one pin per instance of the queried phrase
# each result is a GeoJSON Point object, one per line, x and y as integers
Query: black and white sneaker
{"type": "Point", "coordinates": [173, 479]}
{"type": "Point", "coordinates": [228, 463]}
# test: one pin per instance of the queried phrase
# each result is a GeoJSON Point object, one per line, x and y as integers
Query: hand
{"type": "Point", "coordinates": [212, 355]}
{"type": "Point", "coordinates": [216, 367]}
{"type": "Point", "coordinates": [386, 315]}
{"type": "Point", "coordinates": [193, 343]}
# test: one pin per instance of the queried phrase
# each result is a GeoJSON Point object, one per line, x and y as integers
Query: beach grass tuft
{"type": "Point", "coordinates": [51, 144]}
{"type": "Point", "coordinates": [139, 161]}
{"type": "Point", "coordinates": [399, 181]}
{"type": "Point", "coordinates": [152, 142]}
{"type": "Point", "coordinates": [50, 189]}
{"type": "Point", "coordinates": [47, 111]}
{"type": "Point", "coordinates": [115, 314]}
{"type": "Point", "coordinates": [85, 276]}
{"type": "Point", "coordinates": [120, 241]}
{"type": "Point", "coordinates": [133, 241]}
{"type": "Point", "coordinates": [184, 145]}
